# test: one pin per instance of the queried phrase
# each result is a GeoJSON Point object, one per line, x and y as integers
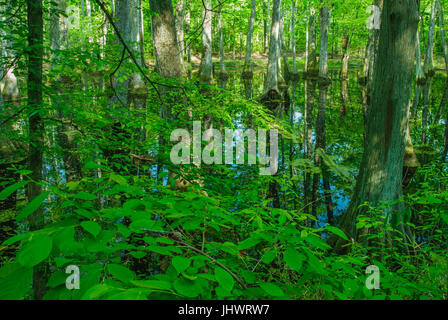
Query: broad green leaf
{"type": "Point", "coordinates": [32, 206]}
{"type": "Point", "coordinates": [337, 232]}
{"type": "Point", "coordinates": [293, 259]}
{"type": "Point", "coordinates": [11, 189]}
{"type": "Point", "coordinates": [272, 289]}
{"type": "Point", "coordinates": [131, 294]}
{"type": "Point", "coordinates": [180, 263]}
{"type": "Point", "coordinates": [152, 284]}
{"type": "Point", "coordinates": [249, 243]}
{"type": "Point", "coordinates": [92, 227]}
{"type": "Point", "coordinates": [97, 291]}
{"type": "Point", "coordinates": [224, 279]}
{"type": "Point", "coordinates": [121, 273]}
{"type": "Point", "coordinates": [15, 281]}
{"type": "Point", "coordinates": [187, 288]}
{"type": "Point", "coordinates": [82, 195]}
{"type": "Point", "coordinates": [35, 250]}
{"type": "Point", "coordinates": [269, 256]}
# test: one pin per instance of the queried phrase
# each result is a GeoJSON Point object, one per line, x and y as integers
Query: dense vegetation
{"type": "Point", "coordinates": [91, 93]}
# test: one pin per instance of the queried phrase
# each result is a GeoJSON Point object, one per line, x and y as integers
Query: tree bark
{"type": "Point", "coordinates": [311, 59]}
{"type": "Point", "coordinates": [345, 57]}
{"type": "Point", "coordinates": [428, 69]}
{"type": "Point", "coordinates": [63, 84]}
{"type": "Point", "coordinates": [320, 121]}
{"type": "Point", "coordinates": [293, 37]}
{"type": "Point", "coordinates": [8, 85]}
{"type": "Point", "coordinates": [420, 78]}
{"type": "Point", "coordinates": [205, 69]}
{"type": "Point", "coordinates": [36, 125]}
{"type": "Point", "coordinates": [180, 18]}
{"type": "Point", "coordinates": [274, 72]}
{"type": "Point", "coordinates": [380, 176]}
{"type": "Point", "coordinates": [250, 31]}
{"type": "Point", "coordinates": [442, 35]}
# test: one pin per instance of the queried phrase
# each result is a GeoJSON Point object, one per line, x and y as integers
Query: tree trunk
{"type": "Point", "coordinates": [293, 37]}
{"type": "Point", "coordinates": [420, 78]}
{"type": "Point", "coordinates": [187, 30]}
{"type": "Point", "coordinates": [442, 35]}
{"type": "Point", "coordinates": [248, 62]}
{"type": "Point", "coordinates": [320, 121]}
{"type": "Point", "coordinates": [205, 69]}
{"type": "Point", "coordinates": [180, 8]}
{"type": "Point", "coordinates": [274, 75]}
{"type": "Point", "coordinates": [428, 69]}
{"type": "Point", "coordinates": [36, 125]}
{"type": "Point", "coordinates": [63, 84]}
{"type": "Point", "coordinates": [127, 15]}
{"type": "Point", "coordinates": [380, 175]}
{"type": "Point", "coordinates": [311, 59]}
{"type": "Point", "coordinates": [429, 64]}
{"type": "Point", "coordinates": [168, 64]}
{"type": "Point", "coordinates": [345, 57]}
{"type": "Point", "coordinates": [8, 85]}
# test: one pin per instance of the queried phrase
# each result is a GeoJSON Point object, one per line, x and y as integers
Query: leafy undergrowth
{"type": "Point", "coordinates": [157, 243]}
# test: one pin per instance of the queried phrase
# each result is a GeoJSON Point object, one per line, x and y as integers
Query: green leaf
{"type": "Point", "coordinates": [36, 250]}
{"type": "Point", "coordinates": [32, 206]}
{"type": "Point", "coordinates": [131, 294]}
{"type": "Point", "coordinates": [92, 227]}
{"type": "Point", "coordinates": [187, 287]}
{"type": "Point", "coordinates": [272, 289]}
{"type": "Point", "coordinates": [137, 254]}
{"type": "Point", "coordinates": [249, 243]}
{"type": "Point", "coordinates": [10, 190]}
{"type": "Point", "coordinates": [97, 291]}
{"type": "Point", "coordinates": [15, 281]}
{"type": "Point", "coordinates": [269, 256]}
{"type": "Point", "coordinates": [293, 259]}
{"type": "Point", "coordinates": [82, 195]}
{"type": "Point", "coordinates": [337, 232]}
{"type": "Point", "coordinates": [152, 284]}
{"type": "Point", "coordinates": [224, 279]}
{"type": "Point", "coordinates": [121, 273]}
{"type": "Point", "coordinates": [180, 263]}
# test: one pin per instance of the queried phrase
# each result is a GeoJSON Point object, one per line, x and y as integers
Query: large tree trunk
{"type": "Point", "coordinates": [429, 64]}
{"type": "Point", "coordinates": [223, 72]}
{"type": "Point", "coordinates": [310, 58]}
{"type": "Point", "coordinates": [206, 68]}
{"type": "Point", "coordinates": [36, 125]}
{"type": "Point", "coordinates": [282, 47]}
{"type": "Point", "coordinates": [293, 37]}
{"type": "Point", "coordinates": [420, 78]}
{"type": "Point", "coordinates": [168, 64]}
{"type": "Point", "coordinates": [310, 93]}
{"type": "Point", "coordinates": [320, 121]}
{"type": "Point", "coordinates": [442, 35]}
{"type": "Point", "coordinates": [180, 18]}
{"type": "Point", "coordinates": [371, 54]}
{"type": "Point", "coordinates": [380, 175]}
{"type": "Point", "coordinates": [345, 57]}
{"type": "Point", "coordinates": [274, 72]}
{"type": "Point", "coordinates": [9, 90]}
{"type": "Point", "coordinates": [187, 30]}
{"type": "Point", "coordinates": [428, 69]}
{"type": "Point", "coordinates": [127, 15]}
{"type": "Point", "coordinates": [250, 31]}
{"type": "Point", "coordinates": [66, 138]}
